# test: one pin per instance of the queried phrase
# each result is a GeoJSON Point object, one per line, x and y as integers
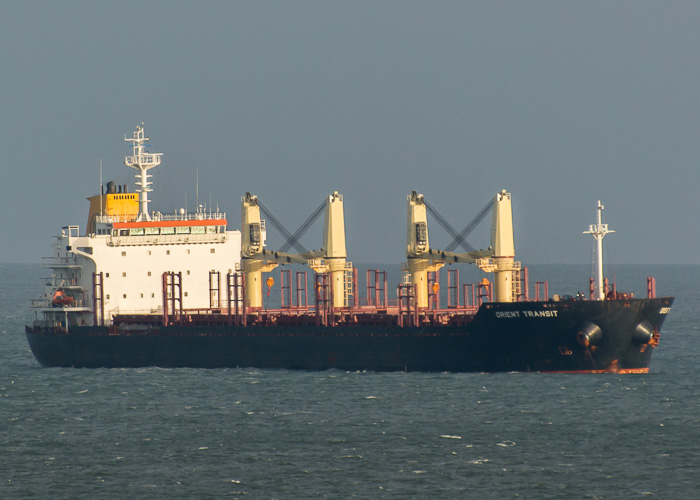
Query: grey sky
{"type": "Point", "coordinates": [561, 103]}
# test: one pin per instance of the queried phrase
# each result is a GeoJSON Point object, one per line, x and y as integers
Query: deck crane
{"type": "Point", "coordinates": [419, 261]}
{"type": "Point", "coordinates": [499, 258]}
{"type": "Point", "coordinates": [330, 259]}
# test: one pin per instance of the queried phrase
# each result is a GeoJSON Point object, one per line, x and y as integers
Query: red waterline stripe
{"type": "Point", "coordinates": [623, 371]}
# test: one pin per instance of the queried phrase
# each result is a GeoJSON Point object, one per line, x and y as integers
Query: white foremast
{"type": "Point", "coordinates": [142, 161]}
{"type": "Point", "coordinates": [599, 231]}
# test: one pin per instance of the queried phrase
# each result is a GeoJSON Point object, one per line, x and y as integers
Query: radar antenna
{"type": "Point", "coordinates": [142, 161]}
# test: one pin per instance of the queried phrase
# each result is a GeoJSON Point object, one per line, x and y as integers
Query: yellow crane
{"type": "Point", "coordinates": [331, 259]}
{"type": "Point", "coordinates": [498, 259]}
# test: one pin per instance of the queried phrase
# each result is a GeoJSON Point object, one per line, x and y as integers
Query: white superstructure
{"type": "Point", "coordinates": [116, 266]}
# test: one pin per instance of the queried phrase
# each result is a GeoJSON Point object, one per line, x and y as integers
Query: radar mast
{"type": "Point", "coordinates": [142, 161]}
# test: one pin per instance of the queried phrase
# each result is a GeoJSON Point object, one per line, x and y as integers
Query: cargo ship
{"type": "Point", "coordinates": [143, 288]}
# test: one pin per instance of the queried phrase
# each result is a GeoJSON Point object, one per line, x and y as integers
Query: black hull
{"type": "Point", "coordinates": [524, 336]}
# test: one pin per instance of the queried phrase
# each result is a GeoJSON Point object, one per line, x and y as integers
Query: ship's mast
{"type": "Point", "coordinates": [142, 161]}
{"type": "Point", "coordinates": [599, 231]}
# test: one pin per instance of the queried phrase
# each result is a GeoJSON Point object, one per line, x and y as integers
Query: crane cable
{"type": "Point", "coordinates": [304, 227]}
{"type": "Point", "coordinates": [291, 239]}
{"type": "Point", "coordinates": [470, 227]}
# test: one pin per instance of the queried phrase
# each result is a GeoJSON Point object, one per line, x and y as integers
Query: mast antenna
{"type": "Point", "coordinates": [599, 231]}
{"type": "Point", "coordinates": [142, 161]}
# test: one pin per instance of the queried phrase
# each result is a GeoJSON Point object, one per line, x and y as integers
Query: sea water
{"type": "Point", "coordinates": [250, 433]}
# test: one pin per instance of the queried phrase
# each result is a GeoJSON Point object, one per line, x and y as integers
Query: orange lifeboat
{"type": "Point", "coordinates": [60, 299]}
